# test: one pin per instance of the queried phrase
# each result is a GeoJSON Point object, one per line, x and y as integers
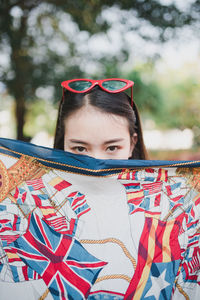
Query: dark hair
{"type": "Point", "coordinates": [118, 104]}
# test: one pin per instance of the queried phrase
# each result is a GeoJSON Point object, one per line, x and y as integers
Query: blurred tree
{"type": "Point", "coordinates": [33, 34]}
{"type": "Point", "coordinates": [181, 103]}
{"type": "Point", "coordinates": [149, 98]}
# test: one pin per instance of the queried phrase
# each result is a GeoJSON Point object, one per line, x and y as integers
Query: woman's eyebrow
{"type": "Point", "coordinates": [113, 141]}
{"type": "Point", "coordinates": [78, 141]}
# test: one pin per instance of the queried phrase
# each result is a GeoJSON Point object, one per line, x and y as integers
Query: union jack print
{"type": "Point", "coordinates": [65, 266]}
{"type": "Point", "coordinates": [20, 195]}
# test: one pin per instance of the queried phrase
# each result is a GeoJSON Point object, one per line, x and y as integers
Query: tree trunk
{"type": "Point", "coordinates": [20, 118]}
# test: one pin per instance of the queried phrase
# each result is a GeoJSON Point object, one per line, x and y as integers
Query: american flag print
{"type": "Point", "coordinates": [62, 225]}
{"type": "Point", "coordinates": [35, 184]}
{"type": "Point", "coordinates": [65, 266]}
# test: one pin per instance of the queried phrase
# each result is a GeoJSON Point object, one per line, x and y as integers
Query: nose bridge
{"type": "Point", "coordinates": [97, 153]}
{"type": "Point", "coordinates": [96, 82]}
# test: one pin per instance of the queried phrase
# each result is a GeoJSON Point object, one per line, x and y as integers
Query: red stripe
{"type": "Point", "coordinates": [79, 205]}
{"type": "Point", "coordinates": [83, 212]}
{"type": "Point", "coordinates": [174, 243]}
{"type": "Point", "coordinates": [16, 193]}
{"type": "Point", "coordinates": [62, 185]}
{"type": "Point", "coordinates": [25, 272]}
{"type": "Point", "coordinates": [142, 258]}
{"type": "Point", "coordinates": [4, 221]}
{"type": "Point", "coordinates": [157, 200]}
{"type": "Point", "coordinates": [60, 284]}
{"type": "Point", "coordinates": [158, 254]}
{"type": "Point", "coordinates": [39, 223]}
{"type": "Point", "coordinates": [78, 199]}
{"type": "Point", "coordinates": [175, 199]}
{"type": "Point", "coordinates": [86, 265]}
{"type": "Point", "coordinates": [15, 222]}
{"type": "Point", "coordinates": [169, 191]}
{"type": "Point", "coordinates": [72, 194]}
{"type": "Point", "coordinates": [149, 170]}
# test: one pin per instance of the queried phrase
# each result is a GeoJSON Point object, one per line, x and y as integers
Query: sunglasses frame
{"type": "Point", "coordinates": [129, 84]}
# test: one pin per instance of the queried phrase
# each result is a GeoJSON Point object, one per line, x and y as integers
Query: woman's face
{"type": "Point", "coordinates": [101, 135]}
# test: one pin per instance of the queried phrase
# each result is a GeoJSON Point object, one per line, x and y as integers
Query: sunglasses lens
{"type": "Point", "coordinates": [113, 85]}
{"type": "Point", "coordinates": [81, 85]}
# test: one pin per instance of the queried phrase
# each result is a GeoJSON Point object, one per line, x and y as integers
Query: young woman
{"type": "Point", "coordinates": [98, 119]}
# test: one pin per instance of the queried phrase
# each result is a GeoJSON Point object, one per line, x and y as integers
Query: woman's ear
{"type": "Point", "coordinates": [134, 140]}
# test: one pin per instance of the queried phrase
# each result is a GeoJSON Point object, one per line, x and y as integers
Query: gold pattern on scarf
{"type": "Point", "coordinates": [4, 181]}
{"type": "Point", "coordinates": [25, 168]}
{"type": "Point", "coordinates": [115, 276]}
{"type": "Point", "coordinates": [115, 241]}
{"type": "Point", "coordinates": [44, 295]}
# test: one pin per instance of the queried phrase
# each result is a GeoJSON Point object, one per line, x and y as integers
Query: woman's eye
{"type": "Point", "coordinates": [79, 149]}
{"type": "Point", "coordinates": [112, 148]}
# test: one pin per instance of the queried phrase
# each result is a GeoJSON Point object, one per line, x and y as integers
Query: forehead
{"type": "Point", "coordinates": [91, 122]}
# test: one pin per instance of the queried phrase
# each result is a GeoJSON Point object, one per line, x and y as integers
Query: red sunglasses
{"type": "Point", "coordinates": [110, 85]}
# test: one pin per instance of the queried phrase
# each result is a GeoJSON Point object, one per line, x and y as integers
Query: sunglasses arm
{"type": "Point", "coordinates": [132, 96]}
{"type": "Point", "coordinates": [63, 94]}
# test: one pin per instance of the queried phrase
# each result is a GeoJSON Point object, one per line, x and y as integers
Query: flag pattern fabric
{"type": "Point", "coordinates": [65, 266]}
{"type": "Point", "coordinates": [72, 227]}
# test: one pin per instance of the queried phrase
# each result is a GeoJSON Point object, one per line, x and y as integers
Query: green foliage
{"type": "Point", "coordinates": [33, 35]}
{"type": "Point", "coordinates": [181, 104]}
{"type": "Point", "coordinates": [147, 95]}
{"type": "Point", "coordinates": [41, 116]}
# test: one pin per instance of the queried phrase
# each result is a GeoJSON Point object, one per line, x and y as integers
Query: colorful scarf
{"type": "Point", "coordinates": [73, 227]}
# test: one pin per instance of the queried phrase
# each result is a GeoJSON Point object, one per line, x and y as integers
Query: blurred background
{"type": "Point", "coordinates": [155, 43]}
